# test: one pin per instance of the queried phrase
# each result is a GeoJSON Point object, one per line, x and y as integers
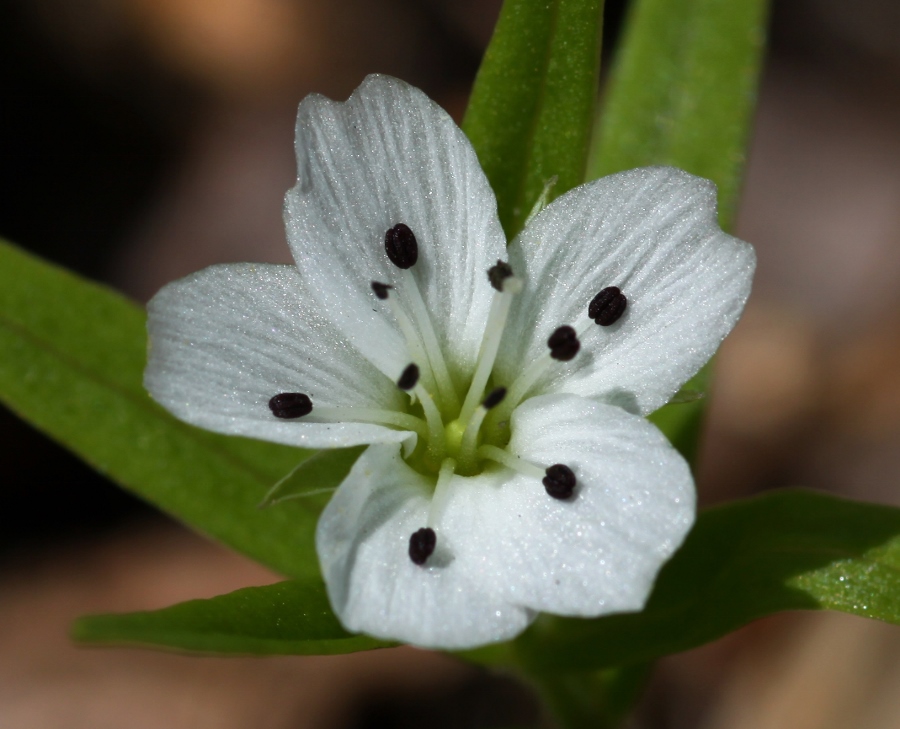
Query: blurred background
{"type": "Point", "coordinates": [141, 140]}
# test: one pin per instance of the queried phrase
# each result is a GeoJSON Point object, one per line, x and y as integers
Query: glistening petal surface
{"type": "Point", "coordinates": [225, 340]}
{"type": "Point", "coordinates": [385, 156]}
{"type": "Point", "coordinates": [599, 551]}
{"type": "Point", "coordinates": [653, 233]}
{"type": "Point", "coordinates": [363, 545]}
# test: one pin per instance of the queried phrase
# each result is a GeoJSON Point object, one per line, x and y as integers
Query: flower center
{"type": "Point", "coordinates": [458, 436]}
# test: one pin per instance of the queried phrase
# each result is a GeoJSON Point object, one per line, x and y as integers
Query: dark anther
{"type": "Point", "coordinates": [421, 545]}
{"type": "Point", "coordinates": [498, 274]}
{"type": "Point", "coordinates": [381, 289]}
{"type": "Point", "coordinates": [401, 246]}
{"type": "Point", "coordinates": [409, 378]}
{"type": "Point", "coordinates": [563, 343]}
{"type": "Point", "coordinates": [494, 398]}
{"type": "Point", "coordinates": [290, 405]}
{"type": "Point", "coordinates": [607, 306]}
{"type": "Point", "coordinates": [559, 481]}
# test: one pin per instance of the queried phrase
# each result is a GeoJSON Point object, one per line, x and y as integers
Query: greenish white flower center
{"type": "Point", "coordinates": [458, 434]}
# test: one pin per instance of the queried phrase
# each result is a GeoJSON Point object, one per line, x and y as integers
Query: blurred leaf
{"type": "Point", "coordinates": [787, 550]}
{"type": "Point", "coordinates": [72, 365]}
{"type": "Point", "coordinates": [531, 109]}
{"type": "Point", "coordinates": [682, 93]}
{"type": "Point", "coordinates": [286, 618]}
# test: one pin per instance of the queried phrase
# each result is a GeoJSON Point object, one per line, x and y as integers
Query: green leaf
{"type": "Point", "coordinates": [788, 550]}
{"type": "Point", "coordinates": [683, 90]}
{"type": "Point", "coordinates": [72, 365]}
{"type": "Point", "coordinates": [531, 109]}
{"type": "Point", "coordinates": [286, 618]}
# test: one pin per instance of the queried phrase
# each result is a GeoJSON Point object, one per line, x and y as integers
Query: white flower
{"type": "Point", "coordinates": [460, 523]}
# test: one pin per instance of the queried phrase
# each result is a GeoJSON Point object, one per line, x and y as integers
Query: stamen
{"type": "Point", "coordinates": [421, 545]}
{"type": "Point", "coordinates": [494, 398]}
{"type": "Point", "coordinates": [404, 421]}
{"type": "Point", "coordinates": [413, 341]}
{"type": "Point", "coordinates": [564, 344]}
{"type": "Point", "coordinates": [559, 481]}
{"type": "Point", "coordinates": [498, 273]}
{"type": "Point", "coordinates": [441, 492]}
{"type": "Point", "coordinates": [290, 405]}
{"type": "Point", "coordinates": [381, 289]}
{"type": "Point", "coordinates": [409, 378]}
{"type": "Point", "coordinates": [493, 332]}
{"type": "Point", "coordinates": [401, 246]}
{"type": "Point", "coordinates": [436, 442]}
{"type": "Point", "coordinates": [505, 458]}
{"type": "Point", "coordinates": [607, 306]}
{"type": "Point", "coordinates": [445, 387]}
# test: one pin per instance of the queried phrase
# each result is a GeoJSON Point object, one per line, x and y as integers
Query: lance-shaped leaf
{"type": "Point", "coordinates": [286, 618]}
{"type": "Point", "coordinates": [529, 117]}
{"type": "Point", "coordinates": [72, 365]}
{"type": "Point", "coordinates": [788, 550]}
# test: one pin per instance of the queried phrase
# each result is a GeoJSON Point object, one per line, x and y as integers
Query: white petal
{"type": "Point", "coordinates": [598, 552]}
{"type": "Point", "coordinates": [225, 340]}
{"type": "Point", "coordinates": [389, 155]}
{"type": "Point", "coordinates": [363, 545]}
{"type": "Point", "coordinates": [653, 233]}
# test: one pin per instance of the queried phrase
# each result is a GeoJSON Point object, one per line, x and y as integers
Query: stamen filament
{"type": "Point", "coordinates": [470, 438]}
{"type": "Point", "coordinates": [445, 386]}
{"type": "Point", "coordinates": [435, 423]}
{"type": "Point", "coordinates": [416, 350]}
{"type": "Point", "coordinates": [520, 386]}
{"type": "Point", "coordinates": [441, 491]}
{"type": "Point", "coordinates": [505, 458]}
{"type": "Point", "coordinates": [490, 344]}
{"type": "Point", "coordinates": [370, 415]}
